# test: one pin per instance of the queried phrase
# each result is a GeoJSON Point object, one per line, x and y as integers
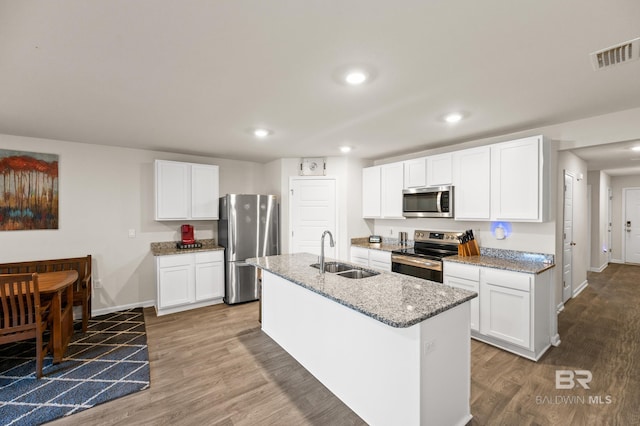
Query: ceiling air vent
{"type": "Point", "coordinates": [626, 52]}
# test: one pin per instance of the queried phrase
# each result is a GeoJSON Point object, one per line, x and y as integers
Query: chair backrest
{"type": "Point", "coordinates": [19, 306]}
{"type": "Point", "coordinates": [80, 264]}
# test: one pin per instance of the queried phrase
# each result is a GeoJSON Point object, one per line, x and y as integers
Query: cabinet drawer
{"type": "Point", "coordinates": [468, 272]}
{"type": "Point", "coordinates": [175, 260]}
{"type": "Point", "coordinates": [380, 256]}
{"type": "Point", "coordinates": [209, 256]}
{"type": "Point", "coordinates": [508, 279]}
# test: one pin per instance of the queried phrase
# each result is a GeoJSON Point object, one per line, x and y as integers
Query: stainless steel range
{"type": "Point", "coordinates": [424, 259]}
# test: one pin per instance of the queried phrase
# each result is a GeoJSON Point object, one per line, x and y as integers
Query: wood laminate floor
{"type": "Point", "coordinates": [214, 366]}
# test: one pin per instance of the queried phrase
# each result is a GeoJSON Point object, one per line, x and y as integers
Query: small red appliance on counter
{"type": "Point", "coordinates": [187, 241]}
{"type": "Point", "coordinates": [187, 234]}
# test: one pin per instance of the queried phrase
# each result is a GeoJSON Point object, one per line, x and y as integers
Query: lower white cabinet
{"type": "Point", "coordinates": [513, 311]}
{"type": "Point", "coordinates": [378, 259]}
{"type": "Point", "coordinates": [506, 307]}
{"type": "Point", "coordinates": [189, 280]}
{"type": "Point", "coordinates": [466, 277]}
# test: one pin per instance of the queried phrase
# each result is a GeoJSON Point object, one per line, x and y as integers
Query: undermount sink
{"type": "Point", "coordinates": [345, 270]}
{"type": "Point", "coordinates": [333, 267]}
{"type": "Point", "coordinates": [358, 274]}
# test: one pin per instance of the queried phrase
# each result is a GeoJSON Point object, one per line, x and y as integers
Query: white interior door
{"type": "Point", "coordinates": [313, 211]}
{"type": "Point", "coordinates": [567, 244]}
{"type": "Point", "coordinates": [632, 225]}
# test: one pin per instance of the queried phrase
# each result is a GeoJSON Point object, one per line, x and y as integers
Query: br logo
{"type": "Point", "coordinates": [566, 379]}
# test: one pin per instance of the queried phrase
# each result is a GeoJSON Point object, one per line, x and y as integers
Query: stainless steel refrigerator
{"type": "Point", "coordinates": [248, 227]}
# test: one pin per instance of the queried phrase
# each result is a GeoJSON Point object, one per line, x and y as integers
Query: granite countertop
{"type": "Point", "coordinates": [169, 247]}
{"type": "Point", "coordinates": [529, 263]}
{"type": "Point", "coordinates": [393, 299]}
{"type": "Point", "coordinates": [385, 245]}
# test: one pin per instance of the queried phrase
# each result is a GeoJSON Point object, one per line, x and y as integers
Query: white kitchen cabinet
{"type": "Point", "coordinates": [519, 180]}
{"type": "Point", "coordinates": [371, 258]}
{"type": "Point", "coordinates": [371, 193]}
{"type": "Point", "coordinates": [440, 170]}
{"type": "Point", "coordinates": [506, 307]}
{"type": "Point", "coordinates": [186, 191]}
{"type": "Point", "coordinates": [382, 191]}
{"type": "Point", "coordinates": [189, 280]}
{"type": "Point", "coordinates": [392, 186]}
{"type": "Point", "coordinates": [360, 256]}
{"type": "Point", "coordinates": [209, 268]}
{"type": "Point", "coordinates": [380, 259]}
{"type": "Point", "coordinates": [472, 183]}
{"type": "Point", "coordinates": [415, 173]}
{"type": "Point", "coordinates": [175, 280]}
{"type": "Point", "coordinates": [465, 277]}
{"type": "Point", "coordinates": [513, 311]}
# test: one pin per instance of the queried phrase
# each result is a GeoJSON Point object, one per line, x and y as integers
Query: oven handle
{"type": "Point", "coordinates": [419, 263]}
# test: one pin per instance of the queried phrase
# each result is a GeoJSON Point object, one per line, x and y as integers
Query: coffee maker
{"type": "Point", "coordinates": [187, 234]}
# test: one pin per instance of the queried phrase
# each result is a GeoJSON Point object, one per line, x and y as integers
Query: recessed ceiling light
{"type": "Point", "coordinates": [261, 133]}
{"type": "Point", "coordinates": [454, 117]}
{"type": "Point", "coordinates": [354, 75]}
{"type": "Point", "coordinates": [635, 148]}
{"type": "Point", "coordinates": [345, 149]}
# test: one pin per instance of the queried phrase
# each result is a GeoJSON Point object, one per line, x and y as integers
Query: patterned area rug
{"type": "Point", "coordinates": [109, 361]}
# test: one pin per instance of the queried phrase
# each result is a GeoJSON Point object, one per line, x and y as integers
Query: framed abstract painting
{"type": "Point", "coordinates": [28, 190]}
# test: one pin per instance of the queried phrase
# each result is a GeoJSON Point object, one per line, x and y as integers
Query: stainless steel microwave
{"type": "Point", "coordinates": [436, 201]}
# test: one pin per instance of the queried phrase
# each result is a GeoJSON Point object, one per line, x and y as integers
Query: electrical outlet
{"type": "Point", "coordinates": [132, 233]}
{"type": "Point", "coordinates": [97, 283]}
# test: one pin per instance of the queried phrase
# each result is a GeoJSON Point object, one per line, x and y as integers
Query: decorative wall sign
{"type": "Point", "coordinates": [28, 190]}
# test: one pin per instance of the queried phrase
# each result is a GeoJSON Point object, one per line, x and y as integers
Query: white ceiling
{"type": "Point", "coordinates": [192, 76]}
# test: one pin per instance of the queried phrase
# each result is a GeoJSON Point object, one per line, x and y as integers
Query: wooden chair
{"type": "Point", "coordinates": [82, 287]}
{"type": "Point", "coordinates": [22, 316]}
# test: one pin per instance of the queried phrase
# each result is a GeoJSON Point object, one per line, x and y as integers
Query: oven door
{"type": "Point", "coordinates": [417, 267]}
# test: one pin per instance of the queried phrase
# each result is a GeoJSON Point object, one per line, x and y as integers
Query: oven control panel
{"type": "Point", "coordinates": [437, 236]}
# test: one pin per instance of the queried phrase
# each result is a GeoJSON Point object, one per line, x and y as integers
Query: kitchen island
{"type": "Point", "coordinates": [394, 348]}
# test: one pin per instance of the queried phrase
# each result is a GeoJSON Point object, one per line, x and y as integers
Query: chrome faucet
{"type": "Point", "coordinates": [331, 243]}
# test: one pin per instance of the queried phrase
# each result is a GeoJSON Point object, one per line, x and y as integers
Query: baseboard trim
{"type": "Point", "coordinates": [560, 307]}
{"type": "Point", "coordinates": [580, 288]}
{"type": "Point", "coordinates": [112, 309]}
{"type": "Point", "coordinates": [616, 261]}
{"type": "Point", "coordinates": [600, 269]}
{"type": "Point", "coordinates": [555, 340]}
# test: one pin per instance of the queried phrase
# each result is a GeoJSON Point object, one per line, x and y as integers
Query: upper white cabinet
{"type": "Point", "coordinates": [186, 191]}
{"type": "Point", "coordinates": [382, 191]}
{"type": "Point", "coordinates": [472, 183]}
{"type": "Point", "coordinates": [371, 193]}
{"type": "Point", "coordinates": [519, 180]}
{"type": "Point", "coordinates": [439, 170]}
{"type": "Point", "coordinates": [415, 173]}
{"type": "Point", "coordinates": [392, 186]}
{"type": "Point", "coordinates": [503, 181]}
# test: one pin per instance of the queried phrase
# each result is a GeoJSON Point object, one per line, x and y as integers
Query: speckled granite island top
{"type": "Point", "coordinates": [169, 247]}
{"type": "Point", "coordinates": [528, 263]}
{"type": "Point", "coordinates": [394, 299]}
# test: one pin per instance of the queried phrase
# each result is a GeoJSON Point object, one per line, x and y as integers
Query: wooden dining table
{"type": "Point", "coordinates": [59, 287]}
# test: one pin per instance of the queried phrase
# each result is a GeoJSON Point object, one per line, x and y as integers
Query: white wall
{"type": "Point", "coordinates": [104, 192]}
{"type": "Point", "coordinates": [618, 183]}
{"type": "Point", "coordinates": [600, 183]}
{"type": "Point", "coordinates": [348, 172]}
